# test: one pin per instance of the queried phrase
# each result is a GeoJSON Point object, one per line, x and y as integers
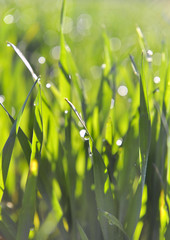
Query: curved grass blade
{"type": "Point", "coordinates": [29, 199]}
{"type": "Point", "coordinates": [112, 220]}
{"type": "Point", "coordinates": [134, 67]}
{"type": "Point", "coordinates": [79, 117]}
{"type": "Point", "coordinates": [47, 227]}
{"type": "Point", "coordinates": [24, 141]}
{"type": "Point", "coordinates": [82, 233]}
{"type": "Point", "coordinates": [25, 61]}
{"type": "Point", "coordinates": [9, 145]}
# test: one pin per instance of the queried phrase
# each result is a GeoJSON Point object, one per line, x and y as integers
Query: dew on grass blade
{"type": "Point", "coordinates": [119, 142]}
{"type": "Point", "coordinates": [8, 19]}
{"type": "Point", "coordinates": [156, 80]}
{"type": "Point", "coordinates": [25, 61]}
{"type": "Point", "coordinates": [122, 91]}
{"type": "Point", "coordinates": [112, 103]}
{"type": "Point", "coordinates": [2, 99]}
{"type": "Point", "coordinates": [149, 55]}
{"type": "Point", "coordinates": [83, 134]}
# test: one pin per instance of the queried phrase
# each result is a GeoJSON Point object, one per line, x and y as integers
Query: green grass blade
{"type": "Point", "coordinates": [25, 61]}
{"type": "Point", "coordinates": [28, 205]}
{"type": "Point", "coordinates": [142, 40]}
{"type": "Point", "coordinates": [134, 67]}
{"type": "Point", "coordinates": [7, 225]}
{"type": "Point", "coordinates": [112, 220]}
{"type": "Point", "coordinates": [23, 139]}
{"type": "Point", "coordinates": [82, 233]}
{"type": "Point", "coordinates": [104, 198]}
{"type": "Point", "coordinates": [47, 227]}
{"type": "Point", "coordinates": [144, 144]}
{"type": "Point", "coordinates": [29, 199]}
{"type": "Point", "coordinates": [144, 129]}
{"type": "Point", "coordinates": [62, 13]}
{"type": "Point", "coordinates": [8, 147]}
{"type": "Point", "coordinates": [79, 117]}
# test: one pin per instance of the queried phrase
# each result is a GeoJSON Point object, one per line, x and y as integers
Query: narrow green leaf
{"type": "Point", "coordinates": [79, 117]}
{"type": "Point", "coordinates": [82, 233]}
{"type": "Point", "coordinates": [144, 144]}
{"type": "Point", "coordinates": [62, 13]}
{"type": "Point", "coordinates": [29, 199]}
{"type": "Point", "coordinates": [47, 227]}
{"type": "Point", "coordinates": [28, 206]}
{"type": "Point", "coordinates": [7, 225]}
{"type": "Point", "coordinates": [134, 67]}
{"type": "Point", "coordinates": [104, 200]}
{"type": "Point", "coordinates": [167, 234]}
{"type": "Point", "coordinates": [25, 61]}
{"type": "Point", "coordinates": [142, 40]}
{"type": "Point", "coordinates": [23, 139]}
{"type": "Point", "coordinates": [8, 147]}
{"type": "Point", "coordinates": [144, 129]}
{"type": "Point", "coordinates": [112, 220]}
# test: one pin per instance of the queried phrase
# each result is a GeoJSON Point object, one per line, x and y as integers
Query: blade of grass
{"type": "Point", "coordinates": [47, 227]}
{"type": "Point", "coordinates": [25, 61]}
{"type": "Point", "coordinates": [144, 145]}
{"type": "Point", "coordinates": [23, 139]}
{"type": "Point", "coordinates": [104, 198]}
{"type": "Point", "coordinates": [9, 145]}
{"type": "Point", "coordinates": [62, 14]}
{"type": "Point", "coordinates": [29, 199]}
{"type": "Point", "coordinates": [112, 220]}
{"type": "Point", "coordinates": [79, 117]}
{"type": "Point", "coordinates": [7, 226]}
{"type": "Point", "coordinates": [82, 233]}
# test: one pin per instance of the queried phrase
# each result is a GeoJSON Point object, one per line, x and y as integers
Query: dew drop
{"type": "Point", "coordinates": [149, 55]}
{"type": "Point", "coordinates": [156, 80]}
{"type": "Point", "coordinates": [112, 103]}
{"type": "Point", "coordinates": [82, 133]}
{"type": "Point", "coordinates": [2, 99]}
{"type": "Point", "coordinates": [103, 66]}
{"type": "Point", "coordinates": [119, 142]}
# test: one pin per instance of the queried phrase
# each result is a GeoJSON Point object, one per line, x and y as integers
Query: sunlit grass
{"type": "Point", "coordinates": [87, 156]}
